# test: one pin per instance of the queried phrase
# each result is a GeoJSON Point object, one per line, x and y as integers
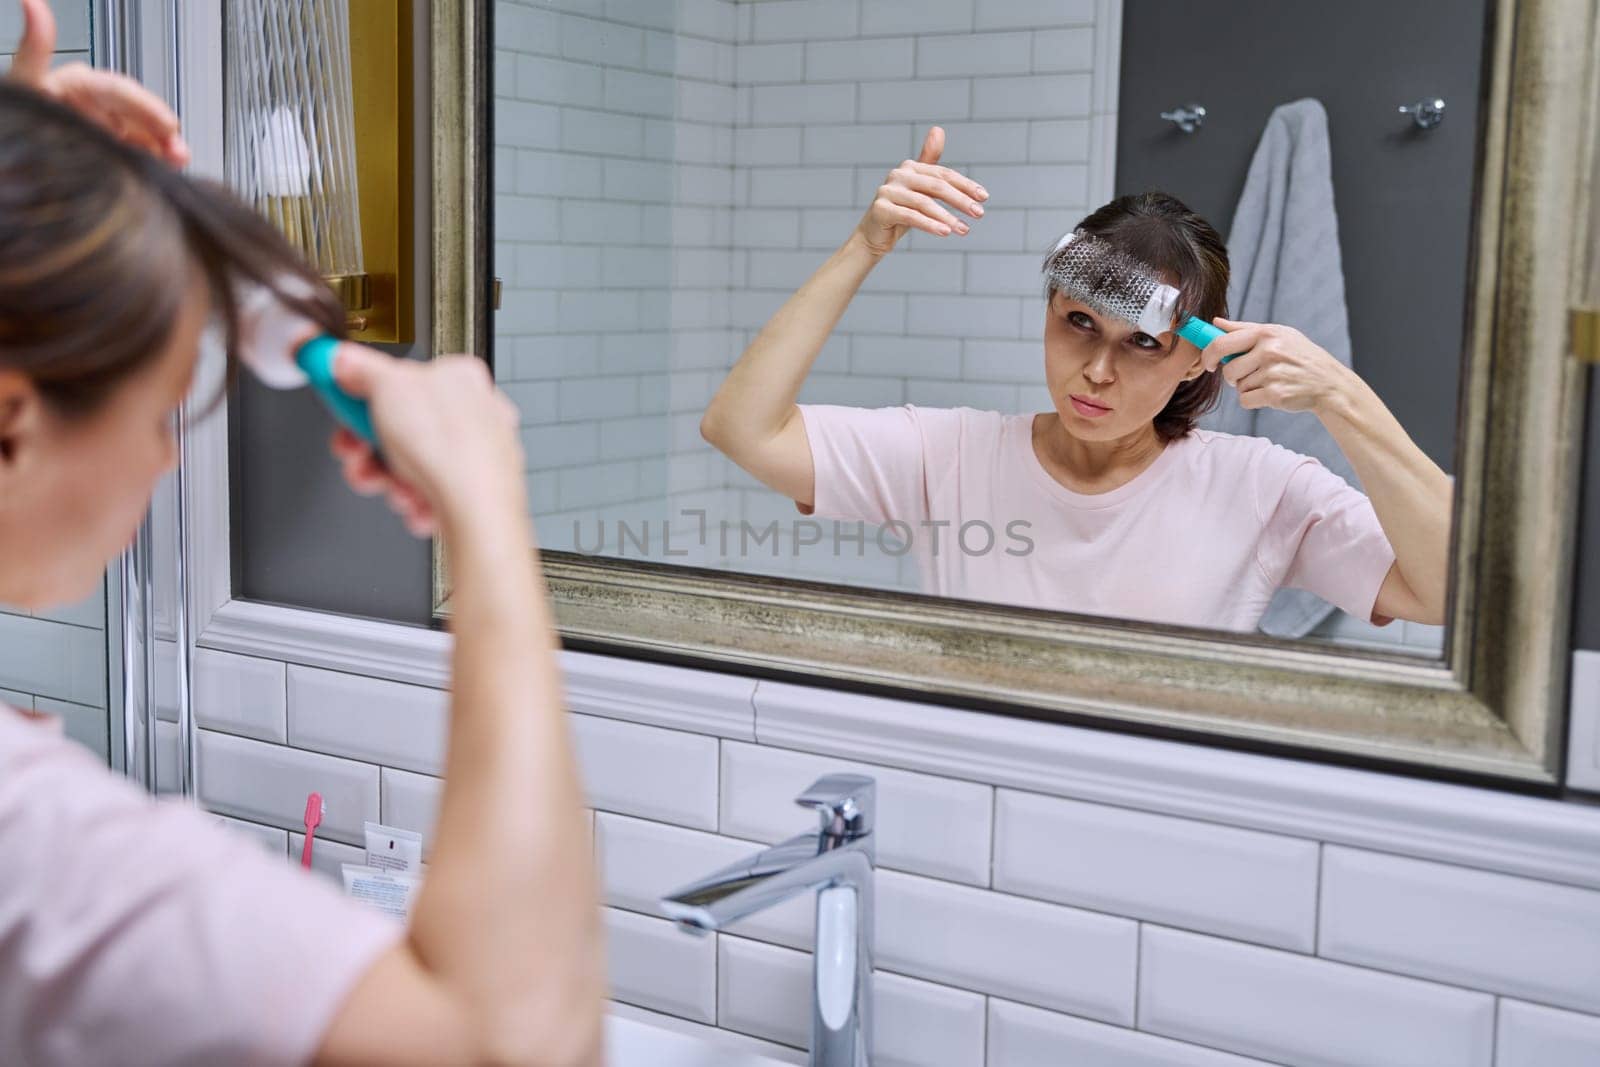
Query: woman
{"type": "Point", "coordinates": [137, 932]}
{"type": "Point", "coordinates": [1113, 503]}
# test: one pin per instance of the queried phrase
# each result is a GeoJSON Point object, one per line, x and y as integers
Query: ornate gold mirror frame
{"type": "Point", "coordinates": [1493, 708]}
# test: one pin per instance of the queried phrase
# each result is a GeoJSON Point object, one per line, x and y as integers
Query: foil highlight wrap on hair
{"type": "Point", "coordinates": [1110, 282]}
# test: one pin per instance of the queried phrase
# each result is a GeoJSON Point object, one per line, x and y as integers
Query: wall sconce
{"type": "Point", "coordinates": [319, 139]}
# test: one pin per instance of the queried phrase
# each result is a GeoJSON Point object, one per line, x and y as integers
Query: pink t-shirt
{"type": "Point", "coordinates": [1203, 537]}
{"type": "Point", "coordinates": [142, 932]}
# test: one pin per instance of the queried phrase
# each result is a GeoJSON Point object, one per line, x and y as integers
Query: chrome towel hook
{"type": "Point", "coordinates": [1425, 113]}
{"type": "Point", "coordinates": [1188, 118]}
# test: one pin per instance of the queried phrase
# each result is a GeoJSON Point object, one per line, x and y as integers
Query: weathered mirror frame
{"type": "Point", "coordinates": [1492, 709]}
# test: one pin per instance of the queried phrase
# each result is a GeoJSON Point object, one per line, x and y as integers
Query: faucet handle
{"type": "Point", "coordinates": [847, 803]}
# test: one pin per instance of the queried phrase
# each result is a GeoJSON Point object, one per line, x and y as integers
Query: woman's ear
{"type": "Point", "coordinates": [19, 419]}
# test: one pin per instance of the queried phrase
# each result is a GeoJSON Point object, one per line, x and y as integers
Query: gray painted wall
{"type": "Point", "coordinates": [300, 536]}
{"type": "Point", "coordinates": [1404, 196]}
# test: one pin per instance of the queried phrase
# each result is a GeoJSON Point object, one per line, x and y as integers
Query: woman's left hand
{"type": "Point", "coordinates": [1277, 367]}
{"type": "Point", "coordinates": [130, 111]}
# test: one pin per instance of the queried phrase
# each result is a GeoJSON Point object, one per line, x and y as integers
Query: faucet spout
{"type": "Point", "coordinates": [836, 863]}
{"type": "Point", "coordinates": [801, 864]}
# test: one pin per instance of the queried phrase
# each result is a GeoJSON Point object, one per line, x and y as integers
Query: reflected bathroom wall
{"type": "Point", "coordinates": [666, 175]}
{"type": "Point", "coordinates": [613, 213]}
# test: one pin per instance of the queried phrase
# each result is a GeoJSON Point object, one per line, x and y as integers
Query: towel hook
{"type": "Point", "coordinates": [1425, 113]}
{"type": "Point", "coordinates": [1187, 118]}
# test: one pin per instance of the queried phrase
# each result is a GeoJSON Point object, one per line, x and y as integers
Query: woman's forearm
{"type": "Point", "coordinates": [1411, 495]}
{"type": "Point", "coordinates": [507, 918]}
{"type": "Point", "coordinates": [757, 397]}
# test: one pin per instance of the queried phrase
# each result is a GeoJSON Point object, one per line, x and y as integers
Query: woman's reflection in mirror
{"type": "Point", "coordinates": [1132, 511]}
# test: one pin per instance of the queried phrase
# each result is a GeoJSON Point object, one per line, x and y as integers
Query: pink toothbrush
{"type": "Point", "coordinates": [315, 810]}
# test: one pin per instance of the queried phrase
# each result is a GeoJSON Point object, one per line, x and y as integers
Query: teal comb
{"type": "Point", "coordinates": [315, 358]}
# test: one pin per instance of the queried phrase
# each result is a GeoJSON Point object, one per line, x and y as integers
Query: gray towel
{"type": "Point", "coordinates": [1284, 251]}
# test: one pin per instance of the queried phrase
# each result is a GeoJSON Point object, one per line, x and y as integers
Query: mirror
{"type": "Point", "coordinates": [664, 182]}
{"type": "Point", "coordinates": [686, 196]}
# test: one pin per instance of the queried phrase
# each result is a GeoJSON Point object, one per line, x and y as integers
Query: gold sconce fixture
{"type": "Point", "coordinates": [319, 139]}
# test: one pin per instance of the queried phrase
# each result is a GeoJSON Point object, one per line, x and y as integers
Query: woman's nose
{"type": "Point", "coordinates": [1102, 368]}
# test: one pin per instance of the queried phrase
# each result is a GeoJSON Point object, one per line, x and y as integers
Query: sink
{"type": "Point", "coordinates": [633, 1042]}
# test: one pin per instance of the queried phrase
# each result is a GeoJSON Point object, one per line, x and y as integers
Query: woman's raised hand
{"type": "Point", "coordinates": [1277, 367]}
{"type": "Point", "coordinates": [450, 444]}
{"type": "Point", "coordinates": [910, 199]}
{"type": "Point", "coordinates": [130, 111]}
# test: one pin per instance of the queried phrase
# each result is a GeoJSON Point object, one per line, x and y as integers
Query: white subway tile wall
{"type": "Point", "coordinates": [776, 120]}
{"type": "Point", "coordinates": [1013, 928]}
{"type": "Point", "coordinates": [55, 662]}
{"type": "Point", "coordinates": [1531, 1035]}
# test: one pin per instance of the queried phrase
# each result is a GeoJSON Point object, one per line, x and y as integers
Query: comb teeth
{"type": "Point", "coordinates": [1111, 282]}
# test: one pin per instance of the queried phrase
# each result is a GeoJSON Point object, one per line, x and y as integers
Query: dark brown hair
{"type": "Point", "coordinates": [1161, 231]}
{"type": "Point", "coordinates": [97, 239]}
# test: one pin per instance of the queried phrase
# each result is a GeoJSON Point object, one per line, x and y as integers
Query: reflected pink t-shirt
{"type": "Point", "coordinates": [141, 932]}
{"type": "Point", "coordinates": [1203, 537]}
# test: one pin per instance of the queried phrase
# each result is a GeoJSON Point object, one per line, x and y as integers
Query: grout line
{"type": "Point", "coordinates": [983, 1026]}
{"type": "Point", "coordinates": [1138, 970]}
{"type": "Point", "coordinates": [1316, 913]}
{"type": "Point", "coordinates": [994, 830]}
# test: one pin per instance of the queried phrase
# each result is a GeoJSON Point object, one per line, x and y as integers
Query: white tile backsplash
{"type": "Point", "coordinates": [1532, 1035]}
{"type": "Point", "coordinates": [53, 659]}
{"type": "Point", "coordinates": [1066, 959]}
{"type": "Point", "coordinates": [327, 857]}
{"type": "Point", "coordinates": [410, 802]}
{"type": "Point", "coordinates": [381, 722]}
{"type": "Point", "coordinates": [1056, 957]}
{"type": "Point", "coordinates": [1289, 1008]}
{"type": "Point", "coordinates": [1473, 928]}
{"type": "Point", "coordinates": [655, 965]}
{"type": "Point", "coordinates": [645, 770]}
{"type": "Point", "coordinates": [936, 826]}
{"type": "Point", "coordinates": [1022, 1036]}
{"type": "Point", "coordinates": [274, 839]}
{"type": "Point", "coordinates": [1180, 872]}
{"type": "Point", "coordinates": [268, 784]}
{"type": "Point", "coordinates": [764, 991]}
{"type": "Point", "coordinates": [641, 861]}
{"type": "Point", "coordinates": [88, 726]}
{"type": "Point", "coordinates": [240, 695]}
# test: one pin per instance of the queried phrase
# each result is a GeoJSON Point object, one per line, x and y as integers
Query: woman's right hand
{"type": "Point", "coordinates": [449, 436]}
{"type": "Point", "coordinates": [909, 199]}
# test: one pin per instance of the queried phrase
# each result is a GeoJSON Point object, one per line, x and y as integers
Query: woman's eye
{"type": "Point", "coordinates": [1080, 320]}
{"type": "Point", "coordinates": [1146, 342]}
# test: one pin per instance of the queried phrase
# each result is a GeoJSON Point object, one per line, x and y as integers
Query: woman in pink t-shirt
{"type": "Point", "coordinates": [136, 932]}
{"type": "Point", "coordinates": [1113, 503]}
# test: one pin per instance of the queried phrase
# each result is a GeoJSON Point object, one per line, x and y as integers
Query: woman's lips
{"type": "Point", "coordinates": [1089, 409]}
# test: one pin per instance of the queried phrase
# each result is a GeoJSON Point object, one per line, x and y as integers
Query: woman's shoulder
{"type": "Point", "coordinates": [1269, 468]}
{"type": "Point", "coordinates": [1240, 450]}
{"type": "Point", "coordinates": [965, 418]}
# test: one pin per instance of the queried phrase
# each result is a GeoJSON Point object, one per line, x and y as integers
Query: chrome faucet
{"type": "Point", "coordinates": [837, 862]}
